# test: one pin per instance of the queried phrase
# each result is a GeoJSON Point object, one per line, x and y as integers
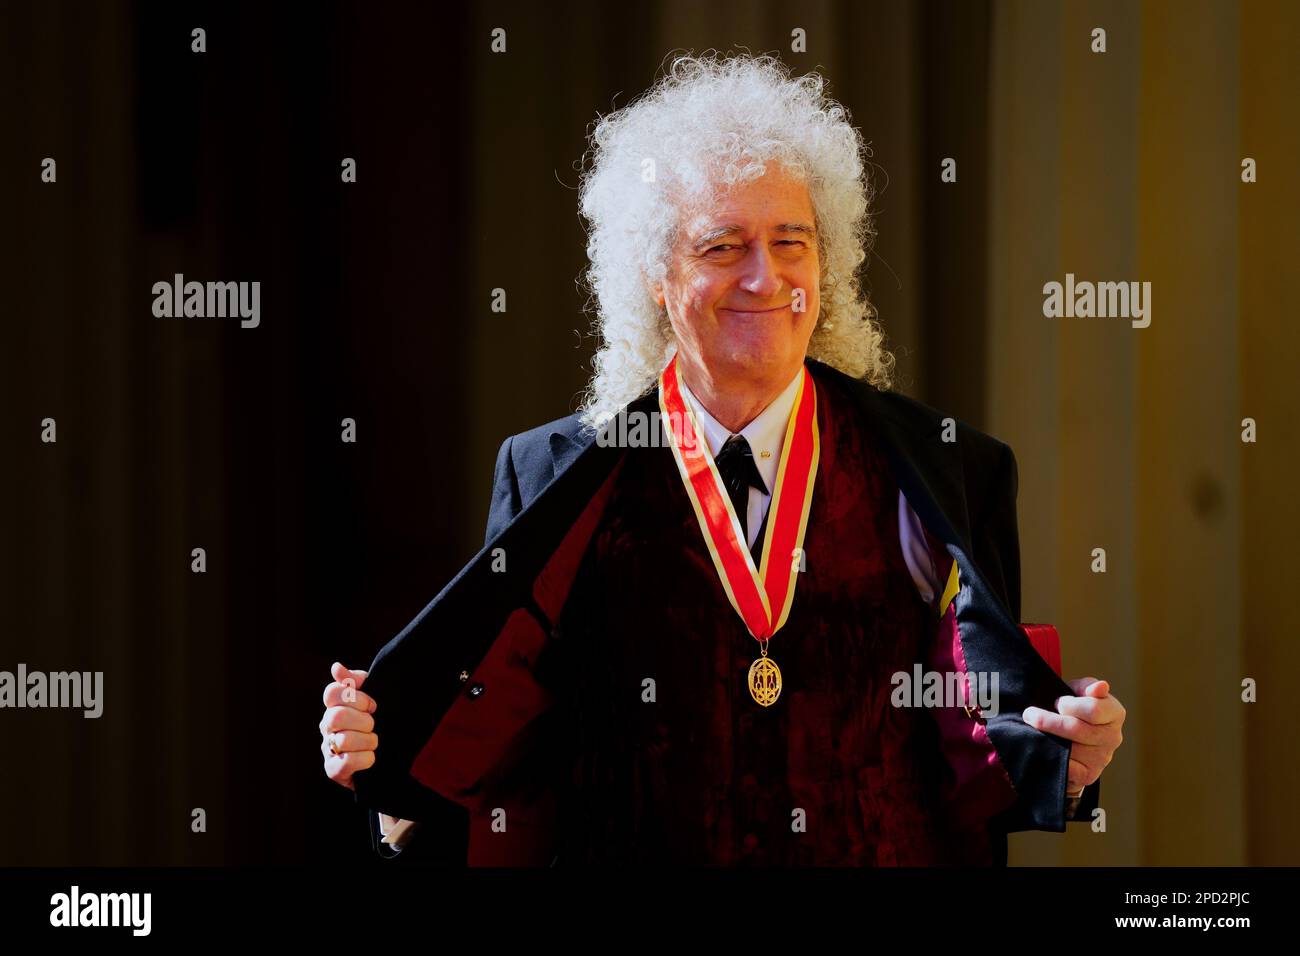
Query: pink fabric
{"type": "Point", "coordinates": [979, 787]}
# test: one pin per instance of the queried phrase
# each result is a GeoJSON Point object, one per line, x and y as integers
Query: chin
{"type": "Point", "coordinates": [760, 362]}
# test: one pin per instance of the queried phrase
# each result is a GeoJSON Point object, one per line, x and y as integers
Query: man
{"type": "Point", "coordinates": [683, 643]}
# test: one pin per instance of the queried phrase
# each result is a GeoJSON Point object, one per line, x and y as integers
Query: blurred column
{"type": "Point", "coordinates": [1269, 351]}
{"type": "Point", "coordinates": [1062, 184]}
{"type": "Point", "coordinates": [1190, 748]}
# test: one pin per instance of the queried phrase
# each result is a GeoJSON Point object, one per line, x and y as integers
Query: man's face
{"type": "Point", "coordinates": [732, 281]}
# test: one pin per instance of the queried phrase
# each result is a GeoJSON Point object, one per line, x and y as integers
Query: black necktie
{"type": "Point", "coordinates": [739, 473]}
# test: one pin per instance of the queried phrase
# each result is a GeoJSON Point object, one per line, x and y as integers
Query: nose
{"type": "Point", "coordinates": [760, 277]}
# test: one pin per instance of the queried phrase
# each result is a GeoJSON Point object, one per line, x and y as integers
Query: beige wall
{"type": "Point", "coordinates": [1126, 166]}
{"type": "Point", "coordinates": [1267, 349]}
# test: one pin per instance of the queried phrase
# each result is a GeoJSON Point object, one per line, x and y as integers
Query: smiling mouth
{"type": "Point", "coordinates": [779, 308]}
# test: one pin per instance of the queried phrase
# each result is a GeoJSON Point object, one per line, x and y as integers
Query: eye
{"type": "Point", "coordinates": [723, 246]}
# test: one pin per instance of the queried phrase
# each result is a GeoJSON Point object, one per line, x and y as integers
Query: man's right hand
{"type": "Point", "coordinates": [348, 725]}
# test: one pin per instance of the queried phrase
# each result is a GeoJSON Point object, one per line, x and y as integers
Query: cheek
{"type": "Point", "coordinates": [708, 286]}
{"type": "Point", "coordinates": [698, 294]}
{"type": "Point", "coordinates": [809, 279]}
{"type": "Point", "coordinates": [812, 305]}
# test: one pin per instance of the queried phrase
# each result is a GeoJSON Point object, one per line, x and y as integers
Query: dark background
{"type": "Point", "coordinates": [183, 433]}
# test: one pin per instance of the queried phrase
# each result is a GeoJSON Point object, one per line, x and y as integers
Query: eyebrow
{"type": "Point", "coordinates": [713, 235]}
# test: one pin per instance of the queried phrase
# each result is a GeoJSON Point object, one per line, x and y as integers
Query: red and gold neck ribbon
{"type": "Point", "coordinates": [763, 596]}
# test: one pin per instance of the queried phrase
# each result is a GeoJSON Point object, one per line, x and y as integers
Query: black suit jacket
{"type": "Point", "coordinates": [963, 491]}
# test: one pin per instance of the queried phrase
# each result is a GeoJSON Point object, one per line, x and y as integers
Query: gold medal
{"type": "Point", "coordinates": [764, 679]}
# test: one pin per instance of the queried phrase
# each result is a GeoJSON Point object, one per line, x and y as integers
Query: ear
{"type": "Point", "coordinates": [656, 289]}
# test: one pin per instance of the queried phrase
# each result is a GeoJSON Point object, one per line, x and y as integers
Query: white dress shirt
{"type": "Point", "coordinates": [766, 437]}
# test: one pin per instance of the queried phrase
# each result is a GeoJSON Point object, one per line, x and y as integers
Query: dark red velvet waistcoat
{"type": "Point", "coordinates": [832, 774]}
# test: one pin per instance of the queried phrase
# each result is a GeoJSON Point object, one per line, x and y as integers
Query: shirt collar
{"type": "Point", "coordinates": [766, 433]}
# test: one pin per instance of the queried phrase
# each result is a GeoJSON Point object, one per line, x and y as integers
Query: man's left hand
{"type": "Point", "coordinates": [1092, 721]}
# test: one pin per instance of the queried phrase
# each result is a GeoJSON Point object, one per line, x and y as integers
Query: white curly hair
{"type": "Point", "coordinates": [710, 122]}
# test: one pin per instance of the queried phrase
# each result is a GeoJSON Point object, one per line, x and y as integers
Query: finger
{"type": "Point", "coordinates": [1095, 758]}
{"type": "Point", "coordinates": [334, 767]}
{"type": "Point", "coordinates": [1084, 708]}
{"type": "Point", "coordinates": [333, 761]}
{"type": "Point", "coordinates": [351, 741]}
{"type": "Point", "coordinates": [1077, 775]}
{"type": "Point", "coordinates": [346, 718]}
{"type": "Point", "coordinates": [1081, 684]}
{"type": "Point", "coordinates": [337, 694]}
{"type": "Point", "coordinates": [1060, 725]}
{"type": "Point", "coordinates": [341, 673]}
{"type": "Point", "coordinates": [341, 768]}
{"type": "Point", "coordinates": [1093, 710]}
{"type": "Point", "coordinates": [350, 763]}
{"type": "Point", "coordinates": [1099, 689]}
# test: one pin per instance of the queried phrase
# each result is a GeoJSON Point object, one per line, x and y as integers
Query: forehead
{"type": "Point", "coordinates": [775, 198]}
